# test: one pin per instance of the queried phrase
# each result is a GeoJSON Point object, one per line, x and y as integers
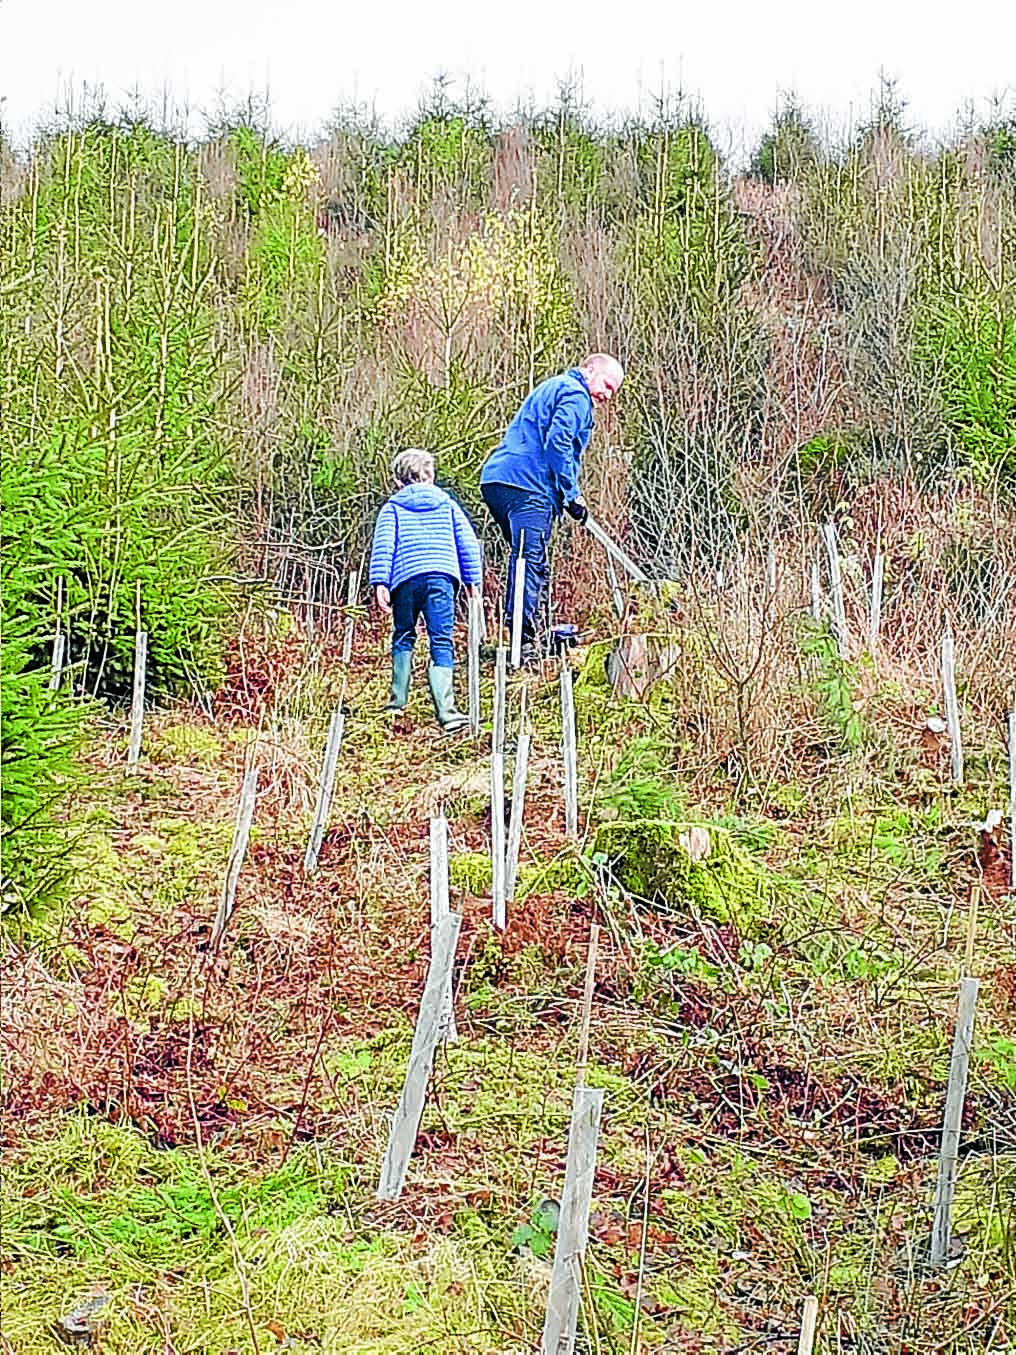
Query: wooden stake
{"type": "Point", "coordinates": [836, 588]}
{"type": "Point", "coordinates": [952, 1121]}
{"type": "Point", "coordinates": [352, 588]}
{"type": "Point", "coordinates": [308, 602]}
{"type": "Point", "coordinates": [875, 615]}
{"type": "Point", "coordinates": [137, 700]}
{"type": "Point", "coordinates": [326, 787]}
{"type": "Point", "coordinates": [975, 898]}
{"type": "Point", "coordinates": [57, 662]}
{"type": "Point", "coordinates": [569, 752]}
{"type": "Point", "coordinates": [518, 601]}
{"type": "Point", "coordinates": [406, 1121]}
{"type": "Point", "coordinates": [237, 852]}
{"type": "Point", "coordinates": [440, 907]}
{"type": "Point", "coordinates": [497, 842]}
{"type": "Point", "coordinates": [59, 641]}
{"type": "Point", "coordinates": [1012, 796]}
{"type": "Point", "coordinates": [952, 709]}
{"type": "Point", "coordinates": [519, 773]}
{"type": "Point", "coordinates": [500, 696]}
{"type": "Point", "coordinates": [573, 1225]}
{"type": "Point", "coordinates": [816, 591]}
{"type": "Point", "coordinates": [587, 1002]}
{"type": "Point", "coordinates": [475, 628]}
{"type": "Point", "coordinates": [479, 591]}
{"type": "Point", "coordinates": [809, 1321]}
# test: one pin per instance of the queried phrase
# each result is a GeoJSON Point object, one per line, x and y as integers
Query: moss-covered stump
{"type": "Point", "coordinates": [684, 866]}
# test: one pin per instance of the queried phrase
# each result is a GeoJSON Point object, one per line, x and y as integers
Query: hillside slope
{"type": "Point", "coordinates": [196, 1138]}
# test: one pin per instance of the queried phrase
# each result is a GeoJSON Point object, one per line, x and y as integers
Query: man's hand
{"type": "Point", "coordinates": [384, 599]}
{"type": "Point", "coordinates": [577, 510]}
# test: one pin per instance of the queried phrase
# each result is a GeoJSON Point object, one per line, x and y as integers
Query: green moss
{"type": "Point", "coordinates": [190, 745]}
{"type": "Point", "coordinates": [563, 872]}
{"type": "Point", "coordinates": [791, 798]}
{"type": "Point", "coordinates": [691, 1298]}
{"type": "Point", "coordinates": [472, 872]}
{"type": "Point", "coordinates": [103, 891]}
{"type": "Point", "coordinates": [649, 858]}
{"type": "Point", "coordinates": [142, 997]}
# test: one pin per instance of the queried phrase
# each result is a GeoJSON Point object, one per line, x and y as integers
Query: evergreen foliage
{"type": "Point", "coordinates": [209, 346]}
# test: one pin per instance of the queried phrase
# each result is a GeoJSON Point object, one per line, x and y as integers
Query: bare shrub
{"type": "Point", "coordinates": [15, 176]}
{"type": "Point", "coordinates": [514, 168]}
{"type": "Point", "coordinates": [217, 164]}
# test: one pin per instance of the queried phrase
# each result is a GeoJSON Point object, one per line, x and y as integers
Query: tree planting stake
{"type": "Point", "coordinates": [877, 581]}
{"type": "Point", "coordinates": [949, 1152]}
{"type": "Point", "coordinates": [406, 1122]}
{"type": "Point", "coordinates": [570, 753]}
{"type": "Point", "coordinates": [237, 852]}
{"type": "Point", "coordinates": [809, 1321]}
{"type": "Point", "coordinates": [497, 842]}
{"type": "Point", "coordinates": [587, 1106]}
{"type": "Point", "coordinates": [587, 1002]}
{"type": "Point", "coordinates": [326, 787]}
{"type": "Point", "coordinates": [352, 588]}
{"type": "Point", "coordinates": [500, 689]}
{"type": "Point", "coordinates": [573, 1225]}
{"type": "Point", "coordinates": [1012, 796]}
{"type": "Point", "coordinates": [836, 588]}
{"type": "Point", "coordinates": [59, 642]}
{"type": "Point", "coordinates": [518, 599]}
{"type": "Point", "coordinates": [440, 907]}
{"type": "Point", "coordinates": [519, 774]}
{"type": "Point", "coordinates": [137, 700]}
{"type": "Point", "coordinates": [475, 631]}
{"type": "Point", "coordinates": [952, 709]}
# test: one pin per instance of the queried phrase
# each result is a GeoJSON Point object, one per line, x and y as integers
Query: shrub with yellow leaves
{"type": "Point", "coordinates": [507, 270]}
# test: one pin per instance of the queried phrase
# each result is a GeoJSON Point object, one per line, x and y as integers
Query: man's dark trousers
{"type": "Point", "coordinates": [517, 511]}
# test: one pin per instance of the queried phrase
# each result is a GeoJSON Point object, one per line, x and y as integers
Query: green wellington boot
{"type": "Point", "coordinates": [402, 670]}
{"type": "Point", "coordinates": [440, 682]}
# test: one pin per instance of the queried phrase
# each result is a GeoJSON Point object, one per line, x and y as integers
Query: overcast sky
{"type": "Point", "coordinates": [735, 58]}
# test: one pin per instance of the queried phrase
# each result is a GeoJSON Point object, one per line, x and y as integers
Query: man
{"type": "Point", "coordinates": [424, 547]}
{"type": "Point", "coordinates": [533, 476]}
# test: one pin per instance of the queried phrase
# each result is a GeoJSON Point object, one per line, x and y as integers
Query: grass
{"type": "Point", "coordinates": [167, 1236]}
{"type": "Point", "coordinates": [202, 1143]}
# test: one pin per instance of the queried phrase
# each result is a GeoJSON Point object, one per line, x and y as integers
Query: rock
{"type": "Point", "coordinates": [79, 1327]}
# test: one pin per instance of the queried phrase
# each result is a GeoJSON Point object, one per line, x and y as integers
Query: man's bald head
{"type": "Point", "coordinates": [604, 375]}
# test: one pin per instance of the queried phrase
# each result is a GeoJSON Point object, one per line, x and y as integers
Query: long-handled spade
{"type": "Point", "coordinates": [615, 551]}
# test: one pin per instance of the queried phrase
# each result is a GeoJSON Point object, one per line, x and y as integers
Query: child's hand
{"type": "Point", "coordinates": [384, 599]}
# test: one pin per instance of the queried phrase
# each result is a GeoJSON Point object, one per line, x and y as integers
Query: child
{"type": "Point", "coordinates": [424, 548]}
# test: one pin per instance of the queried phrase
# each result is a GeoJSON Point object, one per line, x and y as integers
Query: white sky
{"type": "Point", "coordinates": [735, 58]}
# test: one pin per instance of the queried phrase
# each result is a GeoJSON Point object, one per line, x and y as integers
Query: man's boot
{"type": "Point", "coordinates": [440, 682]}
{"type": "Point", "coordinates": [402, 670]}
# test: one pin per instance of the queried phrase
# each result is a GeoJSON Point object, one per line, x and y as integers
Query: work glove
{"type": "Point", "coordinates": [577, 510]}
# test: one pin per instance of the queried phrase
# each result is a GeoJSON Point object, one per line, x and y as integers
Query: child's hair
{"type": "Point", "coordinates": [412, 466]}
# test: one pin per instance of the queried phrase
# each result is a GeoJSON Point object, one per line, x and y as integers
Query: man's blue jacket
{"type": "Point", "coordinates": [542, 449]}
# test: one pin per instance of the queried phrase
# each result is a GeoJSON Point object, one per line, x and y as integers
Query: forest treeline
{"type": "Point", "coordinates": [211, 351]}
